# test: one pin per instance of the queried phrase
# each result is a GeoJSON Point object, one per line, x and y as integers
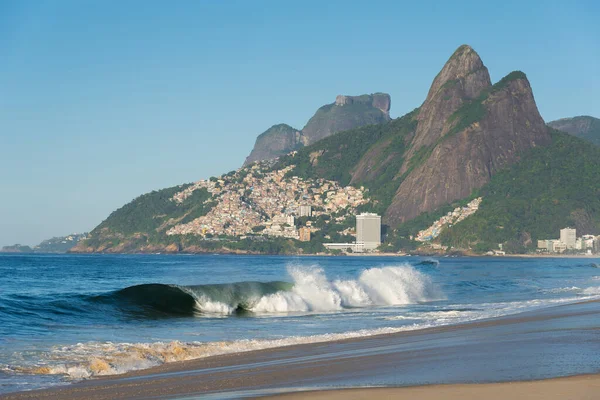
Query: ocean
{"type": "Point", "coordinates": [64, 318]}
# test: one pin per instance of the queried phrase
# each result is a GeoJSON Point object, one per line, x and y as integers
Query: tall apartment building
{"type": "Point", "coordinates": [368, 230]}
{"type": "Point", "coordinates": [568, 236]}
{"type": "Point", "coordinates": [305, 211]}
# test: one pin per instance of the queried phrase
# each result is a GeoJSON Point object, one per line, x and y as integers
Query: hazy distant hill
{"type": "Point", "coordinates": [61, 244]}
{"type": "Point", "coordinates": [584, 127]}
{"type": "Point", "coordinates": [16, 248]}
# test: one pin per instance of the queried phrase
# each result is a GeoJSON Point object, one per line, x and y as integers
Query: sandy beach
{"type": "Point", "coordinates": [583, 387]}
{"type": "Point", "coordinates": [462, 361]}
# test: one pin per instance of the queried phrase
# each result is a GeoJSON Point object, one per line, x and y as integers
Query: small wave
{"type": "Point", "coordinates": [429, 261]}
{"type": "Point", "coordinates": [563, 290]}
{"type": "Point", "coordinates": [86, 360]}
{"type": "Point", "coordinates": [594, 290]}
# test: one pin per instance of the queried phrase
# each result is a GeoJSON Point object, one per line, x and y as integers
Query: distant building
{"type": "Point", "coordinates": [305, 211]}
{"type": "Point", "coordinates": [368, 230]}
{"type": "Point", "coordinates": [354, 247]}
{"type": "Point", "coordinates": [290, 220]}
{"type": "Point", "coordinates": [558, 246]}
{"type": "Point", "coordinates": [568, 236]}
{"type": "Point", "coordinates": [304, 233]}
{"type": "Point", "coordinates": [587, 242]}
{"type": "Point", "coordinates": [543, 245]}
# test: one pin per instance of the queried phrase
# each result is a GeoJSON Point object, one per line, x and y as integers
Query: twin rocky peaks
{"type": "Point", "coordinates": [464, 132]}
{"type": "Point", "coordinates": [467, 130]}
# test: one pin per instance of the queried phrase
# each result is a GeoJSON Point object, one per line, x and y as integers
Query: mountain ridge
{"type": "Point", "coordinates": [583, 126]}
{"type": "Point", "coordinates": [347, 112]}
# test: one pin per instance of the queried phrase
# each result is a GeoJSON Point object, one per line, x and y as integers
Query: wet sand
{"type": "Point", "coordinates": [583, 387]}
{"type": "Point", "coordinates": [553, 342]}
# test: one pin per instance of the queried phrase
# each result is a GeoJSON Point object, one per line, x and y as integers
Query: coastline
{"type": "Point", "coordinates": [581, 387]}
{"type": "Point", "coordinates": [414, 254]}
{"type": "Point", "coordinates": [543, 344]}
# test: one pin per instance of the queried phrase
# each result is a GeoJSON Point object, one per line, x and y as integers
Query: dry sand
{"type": "Point", "coordinates": [583, 387]}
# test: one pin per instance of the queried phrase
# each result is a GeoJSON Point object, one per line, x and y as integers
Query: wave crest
{"type": "Point", "coordinates": [309, 291]}
{"type": "Point", "coordinates": [313, 292]}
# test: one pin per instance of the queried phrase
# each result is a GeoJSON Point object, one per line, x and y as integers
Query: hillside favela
{"type": "Point", "coordinates": [300, 200]}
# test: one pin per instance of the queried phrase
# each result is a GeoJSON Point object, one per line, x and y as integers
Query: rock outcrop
{"type": "Point", "coordinates": [274, 142]}
{"type": "Point", "coordinates": [462, 79]}
{"type": "Point", "coordinates": [467, 131]}
{"type": "Point", "coordinates": [584, 127]}
{"type": "Point", "coordinates": [347, 112]}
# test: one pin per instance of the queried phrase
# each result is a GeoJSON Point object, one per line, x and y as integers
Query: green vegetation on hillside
{"type": "Point", "coordinates": [149, 212]}
{"type": "Point", "coordinates": [474, 110]}
{"type": "Point", "coordinates": [550, 188]}
{"type": "Point", "coordinates": [335, 157]}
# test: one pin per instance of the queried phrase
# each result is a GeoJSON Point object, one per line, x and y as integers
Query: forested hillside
{"type": "Point", "coordinates": [550, 188]}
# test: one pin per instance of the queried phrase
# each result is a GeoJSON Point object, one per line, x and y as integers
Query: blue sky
{"type": "Point", "coordinates": [101, 101]}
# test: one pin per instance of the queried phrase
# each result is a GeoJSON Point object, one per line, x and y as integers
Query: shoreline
{"type": "Point", "coordinates": [473, 352]}
{"type": "Point", "coordinates": [442, 255]}
{"type": "Point", "coordinates": [580, 387]}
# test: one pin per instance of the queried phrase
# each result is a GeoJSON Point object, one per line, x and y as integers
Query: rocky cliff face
{"type": "Point", "coordinates": [584, 127]}
{"type": "Point", "coordinates": [274, 142]}
{"type": "Point", "coordinates": [348, 112]}
{"type": "Point", "coordinates": [467, 131]}
{"type": "Point", "coordinates": [462, 79]}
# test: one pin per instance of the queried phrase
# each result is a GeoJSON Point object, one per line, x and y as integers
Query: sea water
{"type": "Point", "coordinates": [64, 318]}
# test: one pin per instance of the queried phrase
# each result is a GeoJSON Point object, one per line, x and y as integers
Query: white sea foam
{"type": "Point", "coordinates": [85, 360]}
{"type": "Point", "coordinates": [313, 292]}
{"type": "Point", "coordinates": [563, 289]}
{"type": "Point", "coordinates": [594, 290]}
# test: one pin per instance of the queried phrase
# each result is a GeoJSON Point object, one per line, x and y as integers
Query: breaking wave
{"type": "Point", "coordinates": [310, 291]}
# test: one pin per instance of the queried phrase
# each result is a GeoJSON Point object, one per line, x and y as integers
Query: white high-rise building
{"type": "Point", "coordinates": [568, 236]}
{"type": "Point", "coordinates": [368, 230]}
{"type": "Point", "coordinates": [305, 211]}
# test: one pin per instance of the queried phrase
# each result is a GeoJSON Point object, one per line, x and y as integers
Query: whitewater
{"type": "Point", "coordinates": [66, 318]}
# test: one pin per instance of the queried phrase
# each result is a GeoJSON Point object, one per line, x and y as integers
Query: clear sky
{"type": "Point", "coordinates": [101, 101]}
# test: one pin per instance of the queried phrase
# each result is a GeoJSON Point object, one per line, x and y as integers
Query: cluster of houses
{"type": "Point", "coordinates": [451, 218]}
{"type": "Point", "coordinates": [257, 200]}
{"type": "Point", "coordinates": [569, 242]}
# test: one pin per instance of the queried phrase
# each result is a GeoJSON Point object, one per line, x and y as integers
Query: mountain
{"type": "Point", "coordinates": [470, 139]}
{"type": "Point", "coordinates": [347, 112]}
{"type": "Point", "coordinates": [16, 248]}
{"type": "Point", "coordinates": [465, 131]}
{"type": "Point", "coordinates": [551, 188]}
{"type": "Point", "coordinates": [274, 142]}
{"type": "Point", "coordinates": [141, 224]}
{"type": "Point", "coordinates": [584, 127]}
{"type": "Point", "coordinates": [61, 244]}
